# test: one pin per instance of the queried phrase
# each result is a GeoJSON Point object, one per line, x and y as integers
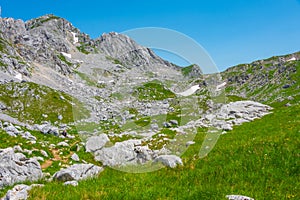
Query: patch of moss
{"type": "Point", "coordinates": [28, 101]}
{"type": "Point", "coordinates": [82, 49]}
{"type": "Point", "coordinates": [153, 91]}
{"type": "Point", "coordinates": [63, 58]}
{"type": "Point", "coordinates": [114, 60]}
{"type": "Point", "coordinates": [187, 70]}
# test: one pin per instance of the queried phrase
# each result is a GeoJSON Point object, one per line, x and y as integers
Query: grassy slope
{"type": "Point", "coordinates": [28, 101]}
{"type": "Point", "coordinates": [272, 88]}
{"type": "Point", "coordinates": [258, 159]}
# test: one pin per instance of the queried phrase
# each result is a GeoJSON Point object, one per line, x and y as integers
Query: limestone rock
{"type": "Point", "coordinates": [95, 143]}
{"type": "Point", "coordinates": [72, 183]}
{"type": "Point", "coordinates": [15, 167]}
{"type": "Point", "coordinates": [19, 192]}
{"type": "Point", "coordinates": [238, 197]}
{"type": "Point", "coordinates": [77, 172]}
{"type": "Point", "coordinates": [169, 160]}
{"type": "Point", "coordinates": [122, 153]}
{"type": "Point", "coordinates": [75, 157]}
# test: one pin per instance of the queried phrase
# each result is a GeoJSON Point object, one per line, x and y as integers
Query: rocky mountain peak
{"type": "Point", "coordinates": [51, 22]}
{"type": "Point", "coordinates": [125, 49]}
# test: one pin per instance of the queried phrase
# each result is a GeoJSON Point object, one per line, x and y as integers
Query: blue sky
{"type": "Point", "coordinates": [231, 31]}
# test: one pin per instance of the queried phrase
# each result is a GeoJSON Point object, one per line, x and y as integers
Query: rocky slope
{"type": "Point", "coordinates": [69, 101]}
{"type": "Point", "coordinates": [270, 80]}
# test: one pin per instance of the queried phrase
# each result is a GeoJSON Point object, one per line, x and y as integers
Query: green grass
{"type": "Point", "coordinates": [2, 45]}
{"type": "Point", "coordinates": [153, 91]}
{"type": "Point", "coordinates": [187, 70]}
{"type": "Point", "coordinates": [114, 60]}
{"type": "Point", "coordinates": [28, 101]}
{"type": "Point", "coordinates": [42, 20]}
{"type": "Point", "coordinates": [63, 58]}
{"type": "Point", "coordinates": [82, 49]}
{"type": "Point", "coordinates": [258, 159]}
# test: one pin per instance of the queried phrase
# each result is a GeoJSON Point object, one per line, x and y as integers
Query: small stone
{"type": "Point", "coordinates": [238, 197]}
{"type": "Point", "coordinates": [72, 183]}
{"type": "Point", "coordinates": [63, 144]}
{"type": "Point", "coordinates": [189, 143]}
{"type": "Point", "coordinates": [75, 157]}
{"type": "Point", "coordinates": [44, 153]}
{"type": "Point", "coordinates": [59, 117]}
{"type": "Point", "coordinates": [174, 122]}
{"type": "Point", "coordinates": [169, 160]}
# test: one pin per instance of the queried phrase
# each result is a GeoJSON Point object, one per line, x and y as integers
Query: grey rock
{"type": "Point", "coordinates": [15, 167]}
{"type": "Point", "coordinates": [47, 128]}
{"type": "Point", "coordinates": [167, 125]}
{"type": "Point", "coordinates": [174, 122]}
{"type": "Point", "coordinates": [226, 127]}
{"type": "Point", "coordinates": [28, 136]}
{"type": "Point", "coordinates": [63, 144]}
{"type": "Point", "coordinates": [77, 172]}
{"type": "Point", "coordinates": [169, 160]}
{"type": "Point", "coordinates": [238, 197]}
{"type": "Point", "coordinates": [59, 117]}
{"type": "Point", "coordinates": [17, 148]}
{"type": "Point", "coordinates": [127, 51]}
{"type": "Point", "coordinates": [11, 130]}
{"type": "Point", "coordinates": [2, 106]}
{"type": "Point", "coordinates": [72, 183]}
{"type": "Point", "coordinates": [95, 143]}
{"type": "Point", "coordinates": [188, 143]}
{"type": "Point", "coordinates": [75, 157]}
{"type": "Point", "coordinates": [19, 192]}
{"type": "Point", "coordinates": [290, 98]}
{"type": "Point", "coordinates": [122, 153]}
{"type": "Point", "coordinates": [44, 153]}
{"type": "Point", "coordinates": [154, 127]}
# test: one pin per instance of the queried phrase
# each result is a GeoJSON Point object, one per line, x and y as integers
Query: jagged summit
{"type": "Point", "coordinates": [53, 41]}
{"type": "Point", "coordinates": [128, 51]}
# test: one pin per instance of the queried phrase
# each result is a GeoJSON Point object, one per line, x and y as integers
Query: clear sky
{"type": "Point", "coordinates": [231, 31]}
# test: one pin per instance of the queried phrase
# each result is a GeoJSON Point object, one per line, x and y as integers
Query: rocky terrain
{"type": "Point", "coordinates": [70, 106]}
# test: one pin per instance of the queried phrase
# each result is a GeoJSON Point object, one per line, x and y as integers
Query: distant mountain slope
{"type": "Point", "coordinates": [266, 80]}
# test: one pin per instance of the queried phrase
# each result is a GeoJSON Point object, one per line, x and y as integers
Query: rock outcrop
{"type": "Point", "coordinates": [19, 192]}
{"type": "Point", "coordinates": [96, 143]}
{"type": "Point", "coordinates": [77, 172]}
{"type": "Point", "coordinates": [15, 167]}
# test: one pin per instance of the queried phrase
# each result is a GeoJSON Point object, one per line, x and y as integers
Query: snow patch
{"type": "Point", "coordinates": [75, 39]}
{"type": "Point", "coordinates": [66, 54]}
{"type": "Point", "coordinates": [291, 59]}
{"type": "Point", "coordinates": [189, 91]}
{"type": "Point", "coordinates": [19, 77]}
{"type": "Point", "coordinates": [218, 88]}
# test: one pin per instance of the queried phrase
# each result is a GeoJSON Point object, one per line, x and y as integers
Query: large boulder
{"type": "Point", "coordinates": [95, 143]}
{"type": "Point", "coordinates": [46, 128]}
{"type": "Point", "coordinates": [19, 192]}
{"type": "Point", "coordinates": [77, 172]}
{"type": "Point", "coordinates": [15, 167]}
{"type": "Point", "coordinates": [122, 153]}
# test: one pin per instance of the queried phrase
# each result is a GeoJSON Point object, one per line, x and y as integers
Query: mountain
{"type": "Point", "coordinates": [267, 80]}
{"type": "Point", "coordinates": [72, 107]}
